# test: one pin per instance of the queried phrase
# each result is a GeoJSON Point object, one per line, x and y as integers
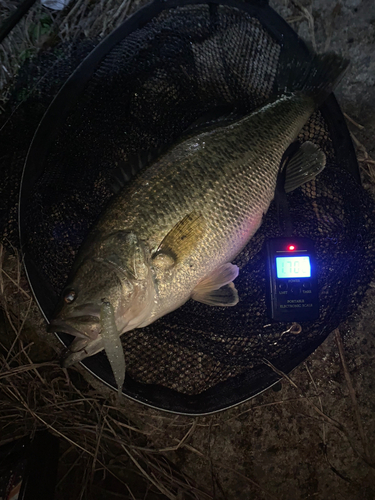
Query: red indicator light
{"type": "Point", "coordinates": [291, 247]}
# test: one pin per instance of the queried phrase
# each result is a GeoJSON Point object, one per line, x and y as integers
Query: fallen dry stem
{"type": "Point", "coordinates": [364, 159]}
{"type": "Point", "coordinates": [351, 120]}
{"type": "Point", "coordinates": [41, 28]}
{"type": "Point", "coordinates": [307, 14]}
{"type": "Point", "coordinates": [179, 479]}
{"type": "Point", "coordinates": [320, 402]}
{"type": "Point", "coordinates": [353, 398]}
{"type": "Point", "coordinates": [77, 460]}
{"type": "Point", "coordinates": [99, 437]}
{"type": "Point", "coordinates": [62, 435]}
{"type": "Point", "coordinates": [17, 284]}
{"type": "Point", "coordinates": [158, 485]}
{"type": "Point", "coordinates": [183, 440]}
{"type": "Point", "coordinates": [257, 407]}
{"type": "Point", "coordinates": [19, 330]}
{"type": "Point", "coordinates": [86, 424]}
{"type": "Point", "coordinates": [247, 479]}
{"type": "Point", "coordinates": [337, 425]}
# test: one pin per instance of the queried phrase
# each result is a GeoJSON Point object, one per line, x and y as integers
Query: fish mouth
{"type": "Point", "coordinates": [78, 326]}
{"type": "Point", "coordinates": [80, 349]}
{"type": "Point", "coordinates": [62, 327]}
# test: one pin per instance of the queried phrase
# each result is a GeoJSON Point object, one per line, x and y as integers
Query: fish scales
{"type": "Point", "coordinates": [171, 234]}
{"type": "Point", "coordinates": [228, 175]}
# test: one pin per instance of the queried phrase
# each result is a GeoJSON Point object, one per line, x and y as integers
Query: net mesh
{"type": "Point", "coordinates": [145, 93]}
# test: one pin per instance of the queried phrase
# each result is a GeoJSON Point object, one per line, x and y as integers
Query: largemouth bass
{"type": "Point", "coordinates": [171, 234]}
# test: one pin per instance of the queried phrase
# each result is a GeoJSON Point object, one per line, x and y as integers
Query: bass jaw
{"type": "Point", "coordinates": [80, 349]}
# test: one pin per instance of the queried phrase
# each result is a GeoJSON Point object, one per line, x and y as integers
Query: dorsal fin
{"type": "Point", "coordinates": [127, 170]}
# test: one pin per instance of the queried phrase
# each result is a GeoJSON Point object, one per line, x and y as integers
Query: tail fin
{"type": "Point", "coordinates": [316, 76]}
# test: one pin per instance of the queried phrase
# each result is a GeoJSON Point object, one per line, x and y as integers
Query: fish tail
{"type": "Point", "coordinates": [316, 76]}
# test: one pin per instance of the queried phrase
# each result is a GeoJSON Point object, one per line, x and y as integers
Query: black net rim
{"type": "Point", "coordinates": [234, 390]}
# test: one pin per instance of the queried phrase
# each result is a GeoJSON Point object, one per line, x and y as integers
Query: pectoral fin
{"type": "Point", "coordinates": [181, 240]}
{"type": "Point", "coordinates": [304, 166]}
{"type": "Point", "coordinates": [217, 289]}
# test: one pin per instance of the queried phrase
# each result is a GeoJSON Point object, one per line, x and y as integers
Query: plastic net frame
{"type": "Point", "coordinates": [162, 72]}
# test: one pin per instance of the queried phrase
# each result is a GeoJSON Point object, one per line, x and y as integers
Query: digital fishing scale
{"type": "Point", "coordinates": [292, 283]}
{"type": "Point", "coordinates": [291, 268]}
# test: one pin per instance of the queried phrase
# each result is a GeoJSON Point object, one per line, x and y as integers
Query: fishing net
{"type": "Point", "coordinates": [155, 77]}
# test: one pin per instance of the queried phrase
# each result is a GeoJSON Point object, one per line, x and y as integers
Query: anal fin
{"type": "Point", "coordinates": [217, 288]}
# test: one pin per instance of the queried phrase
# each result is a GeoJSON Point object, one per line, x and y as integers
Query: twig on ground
{"type": "Point", "coordinates": [364, 159]}
{"type": "Point", "coordinates": [340, 427]}
{"type": "Point", "coordinates": [353, 398]}
{"type": "Point", "coordinates": [320, 403]}
{"type": "Point", "coordinates": [351, 120]}
{"type": "Point", "coordinates": [307, 14]}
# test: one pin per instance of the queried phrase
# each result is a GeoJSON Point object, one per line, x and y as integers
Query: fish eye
{"type": "Point", "coordinates": [70, 296]}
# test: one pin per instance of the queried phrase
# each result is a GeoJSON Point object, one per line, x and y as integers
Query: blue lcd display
{"type": "Point", "coordinates": [293, 267]}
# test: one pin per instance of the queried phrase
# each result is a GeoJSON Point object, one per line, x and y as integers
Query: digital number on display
{"type": "Point", "coordinates": [293, 267]}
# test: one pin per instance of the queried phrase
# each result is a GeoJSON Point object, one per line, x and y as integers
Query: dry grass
{"type": "Point", "coordinates": [305, 14]}
{"type": "Point", "coordinates": [100, 435]}
{"type": "Point", "coordinates": [107, 450]}
{"type": "Point", "coordinates": [100, 438]}
{"type": "Point", "coordinates": [99, 441]}
{"type": "Point", "coordinates": [366, 162]}
{"type": "Point", "coordinates": [118, 451]}
{"type": "Point", "coordinates": [42, 28]}
{"type": "Point", "coordinates": [363, 454]}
